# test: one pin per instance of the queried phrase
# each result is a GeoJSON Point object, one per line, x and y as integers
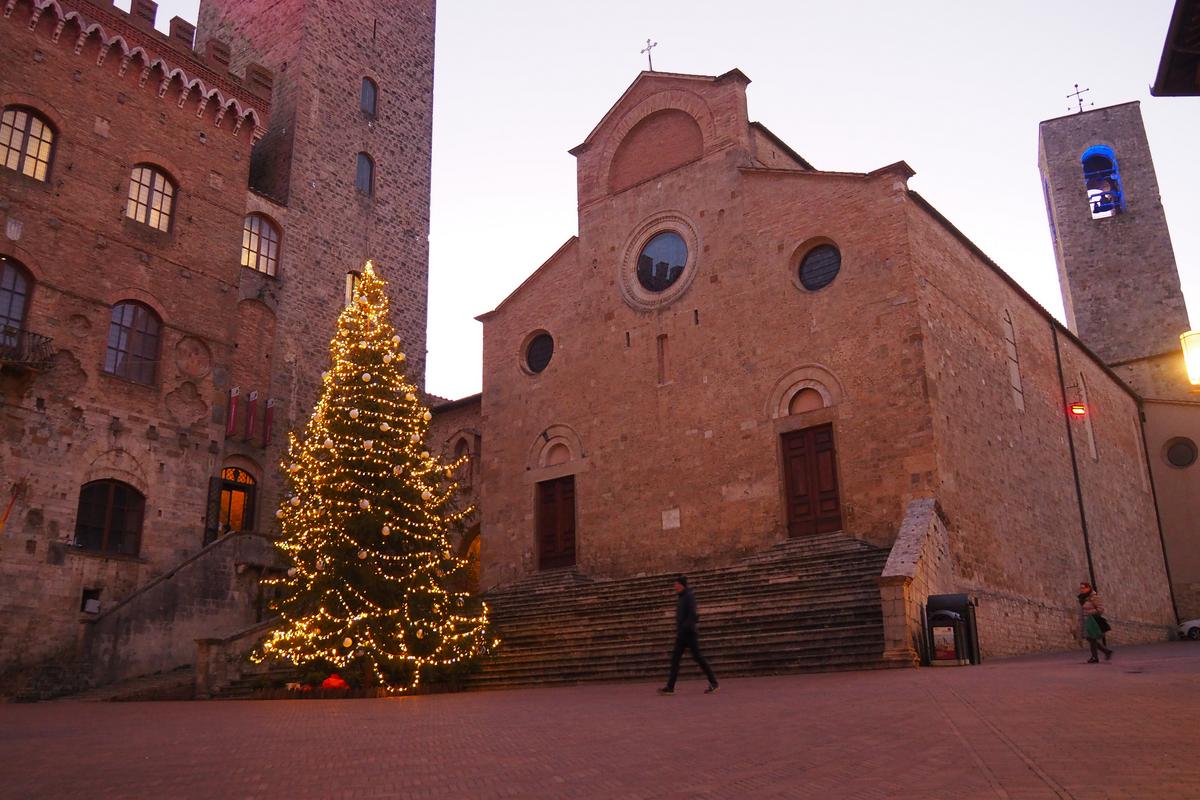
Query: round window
{"type": "Point", "coordinates": [1181, 452]}
{"type": "Point", "coordinates": [538, 352]}
{"type": "Point", "coordinates": [819, 267]}
{"type": "Point", "coordinates": [661, 261]}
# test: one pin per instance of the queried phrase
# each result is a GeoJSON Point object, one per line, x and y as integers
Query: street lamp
{"type": "Point", "coordinates": [1191, 355]}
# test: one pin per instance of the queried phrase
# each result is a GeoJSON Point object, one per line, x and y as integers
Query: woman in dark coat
{"type": "Point", "coordinates": [1093, 611]}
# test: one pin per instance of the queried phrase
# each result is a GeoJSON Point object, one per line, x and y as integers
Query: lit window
{"type": "Point", "coordinates": [370, 94]}
{"type": "Point", "coordinates": [109, 519]}
{"type": "Point", "coordinates": [26, 142]}
{"type": "Point", "coordinates": [133, 337]}
{"type": "Point", "coordinates": [260, 244]}
{"type": "Point", "coordinates": [151, 195]}
{"type": "Point", "coordinates": [364, 178]}
{"type": "Point", "coordinates": [237, 500]}
{"type": "Point", "coordinates": [1103, 181]}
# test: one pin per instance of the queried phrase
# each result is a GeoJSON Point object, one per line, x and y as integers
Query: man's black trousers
{"type": "Point", "coordinates": [688, 640]}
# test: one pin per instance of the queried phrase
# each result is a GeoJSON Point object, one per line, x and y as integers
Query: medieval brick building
{"type": "Point", "coordinates": [182, 224]}
{"type": "Point", "coordinates": [738, 348]}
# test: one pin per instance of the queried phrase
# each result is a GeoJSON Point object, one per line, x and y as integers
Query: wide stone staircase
{"type": "Point", "coordinates": [805, 605]}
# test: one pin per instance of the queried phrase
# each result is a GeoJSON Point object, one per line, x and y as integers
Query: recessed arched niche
{"type": "Point", "coordinates": [659, 143]}
{"type": "Point", "coordinates": [803, 390]}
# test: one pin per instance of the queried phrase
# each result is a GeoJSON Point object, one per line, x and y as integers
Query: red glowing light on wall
{"type": "Point", "coordinates": [1079, 409]}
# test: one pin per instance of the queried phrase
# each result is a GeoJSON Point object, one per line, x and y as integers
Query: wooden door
{"type": "Point", "coordinates": [556, 522]}
{"type": "Point", "coordinates": [810, 477]}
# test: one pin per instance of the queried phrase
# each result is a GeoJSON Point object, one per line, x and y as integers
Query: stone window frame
{"type": "Point", "coordinates": [110, 486]}
{"type": "Point", "coordinates": [1175, 440]}
{"type": "Point", "coordinates": [802, 251]}
{"type": "Point", "coordinates": [1102, 204]}
{"type": "Point", "coordinates": [136, 371]}
{"type": "Point", "coordinates": [370, 109]}
{"type": "Point", "coordinates": [632, 292]}
{"type": "Point", "coordinates": [523, 352]}
{"type": "Point", "coordinates": [142, 206]}
{"type": "Point", "coordinates": [17, 156]}
{"type": "Point", "coordinates": [364, 181]}
{"type": "Point", "coordinates": [8, 293]}
{"type": "Point", "coordinates": [262, 240]}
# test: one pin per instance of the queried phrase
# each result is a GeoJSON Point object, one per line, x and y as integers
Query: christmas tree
{"type": "Point", "coordinates": [366, 526]}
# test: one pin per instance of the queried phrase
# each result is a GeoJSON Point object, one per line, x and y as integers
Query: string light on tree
{"type": "Point", "coordinates": [372, 585]}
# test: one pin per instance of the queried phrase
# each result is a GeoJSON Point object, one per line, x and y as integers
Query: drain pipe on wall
{"type": "Point", "coordinates": [1062, 385]}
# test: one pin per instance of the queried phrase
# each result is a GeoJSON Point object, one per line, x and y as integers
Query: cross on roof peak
{"type": "Point", "coordinates": [650, 56]}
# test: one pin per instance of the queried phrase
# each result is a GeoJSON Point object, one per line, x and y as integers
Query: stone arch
{"type": "Point", "coordinates": [119, 464]}
{"type": "Point", "coordinates": [660, 142]}
{"type": "Point", "coordinates": [551, 442]}
{"type": "Point", "coordinates": [687, 102]}
{"type": "Point", "coordinates": [810, 378]}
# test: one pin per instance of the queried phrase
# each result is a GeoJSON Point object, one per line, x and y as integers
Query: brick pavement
{"type": "Point", "coordinates": [1048, 726]}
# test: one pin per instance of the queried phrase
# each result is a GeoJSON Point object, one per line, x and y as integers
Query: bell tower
{"type": "Point", "coordinates": [1116, 265]}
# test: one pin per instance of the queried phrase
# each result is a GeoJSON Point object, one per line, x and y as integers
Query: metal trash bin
{"type": "Point", "coordinates": [952, 636]}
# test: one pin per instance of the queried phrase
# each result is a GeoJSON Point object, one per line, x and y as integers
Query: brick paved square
{"type": "Point", "coordinates": [1048, 726]}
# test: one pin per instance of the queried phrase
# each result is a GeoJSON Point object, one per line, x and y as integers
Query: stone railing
{"type": "Point", "coordinates": [219, 662]}
{"type": "Point", "coordinates": [919, 565]}
{"type": "Point", "coordinates": [155, 628]}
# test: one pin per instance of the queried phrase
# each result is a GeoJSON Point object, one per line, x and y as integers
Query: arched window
{"type": "Point", "coordinates": [133, 340]}
{"type": "Point", "coordinates": [260, 244]}
{"type": "Point", "coordinates": [151, 197]}
{"type": "Point", "coordinates": [237, 500]}
{"type": "Point", "coordinates": [110, 518]}
{"type": "Point", "coordinates": [364, 178]}
{"type": "Point", "coordinates": [370, 94]}
{"type": "Point", "coordinates": [26, 142]}
{"type": "Point", "coordinates": [1105, 194]}
{"type": "Point", "coordinates": [14, 299]}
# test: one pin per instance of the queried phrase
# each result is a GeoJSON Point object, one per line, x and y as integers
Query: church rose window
{"type": "Point", "coordinates": [110, 518]}
{"type": "Point", "coordinates": [1181, 452]}
{"type": "Point", "coordinates": [151, 196]}
{"type": "Point", "coordinates": [819, 267]}
{"type": "Point", "coordinates": [538, 352]}
{"type": "Point", "coordinates": [661, 261]}
{"type": "Point", "coordinates": [26, 142]}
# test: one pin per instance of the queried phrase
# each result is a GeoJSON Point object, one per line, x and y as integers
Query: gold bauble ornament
{"type": "Point", "coordinates": [396, 339]}
{"type": "Point", "coordinates": [385, 530]}
{"type": "Point", "coordinates": [420, 633]}
{"type": "Point", "coordinates": [397, 470]}
{"type": "Point", "coordinates": [295, 501]}
{"type": "Point", "coordinates": [329, 442]}
{"type": "Point", "coordinates": [383, 426]}
{"type": "Point", "coordinates": [426, 495]}
{"type": "Point", "coordinates": [369, 444]}
{"type": "Point", "coordinates": [427, 416]}
{"type": "Point", "coordinates": [325, 375]}
{"type": "Point", "coordinates": [362, 343]}
{"type": "Point", "coordinates": [400, 356]}
{"type": "Point", "coordinates": [292, 572]}
{"type": "Point", "coordinates": [366, 376]}
{"type": "Point", "coordinates": [410, 397]}
{"type": "Point", "coordinates": [364, 503]}
{"type": "Point", "coordinates": [279, 514]}
{"type": "Point", "coordinates": [387, 358]}
{"type": "Point", "coordinates": [354, 413]}
{"type": "Point", "coordinates": [414, 438]}
{"type": "Point", "coordinates": [424, 454]}
{"type": "Point", "coordinates": [362, 555]}
{"type": "Point", "coordinates": [347, 642]}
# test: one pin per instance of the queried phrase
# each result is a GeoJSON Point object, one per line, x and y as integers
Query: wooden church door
{"type": "Point", "coordinates": [556, 522]}
{"type": "Point", "coordinates": [810, 478]}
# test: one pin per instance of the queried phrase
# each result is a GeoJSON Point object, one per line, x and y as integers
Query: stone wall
{"type": "Point", "coordinates": [1005, 477]}
{"type": "Point", "coordinates": [919, 565]}
{"type": "Point", "coordinates": [75, 423]}
{"type": "Point", "coordinates": [214, 593]}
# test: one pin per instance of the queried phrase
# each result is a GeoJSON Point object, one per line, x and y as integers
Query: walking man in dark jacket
{"type": "Point", "coordinates": [687, 621]}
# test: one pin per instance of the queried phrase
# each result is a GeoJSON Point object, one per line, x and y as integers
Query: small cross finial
{"type": "Point", "coordinates": [1078, 95]}
{"type": "Point", "coordinates": [649, 56]}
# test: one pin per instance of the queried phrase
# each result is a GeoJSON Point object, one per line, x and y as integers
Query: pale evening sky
{"type": "Point", "coordinates": [954, 88]}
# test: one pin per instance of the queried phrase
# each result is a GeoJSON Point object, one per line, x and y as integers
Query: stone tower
{"type": "Point", "coordinates": [1120, 287]}
{"type": "Point", "coordinates": [1115, 262]}
{"type": "Point", "coordinates": [310, 163]}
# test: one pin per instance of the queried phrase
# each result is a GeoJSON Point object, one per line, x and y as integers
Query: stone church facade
{"type": "Point", "coordinates": [183, 216]}
{"type": "Point", "coordinates": [738, 348]}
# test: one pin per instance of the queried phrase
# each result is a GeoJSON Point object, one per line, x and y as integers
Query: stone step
{"type": "Point", "coordinates": [176, 684]}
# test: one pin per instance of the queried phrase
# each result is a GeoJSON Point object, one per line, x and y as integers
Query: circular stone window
{"type": "Point", "coordinates": [538, 352]}
{"type": "Point", "coordinates": [819, 267]}
{"type": "Point", "coordinates": [1181, 452]}
{"type": "Point", "coordinates": [661, 261]}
